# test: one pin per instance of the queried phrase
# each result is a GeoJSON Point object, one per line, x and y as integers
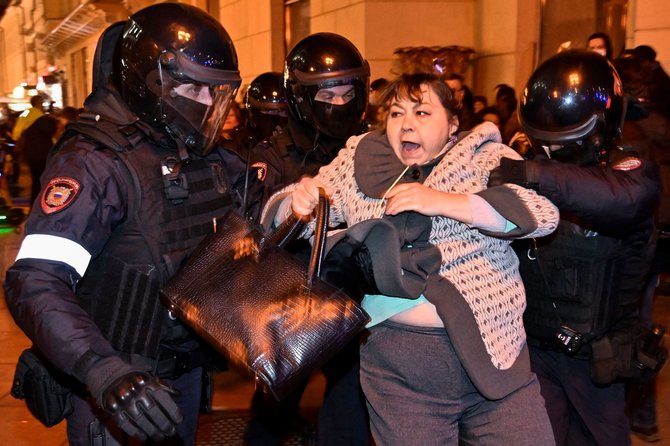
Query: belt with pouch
{"type": "Point", "coordinates": [171, 364]}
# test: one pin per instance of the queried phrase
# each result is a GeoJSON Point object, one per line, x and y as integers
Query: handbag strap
{"type": "Point", "coordinates": [286, 231]}
{"type": "Point", "coordinates": [293, 225]}
{"type": "Point", "coordinates": [323, 210]}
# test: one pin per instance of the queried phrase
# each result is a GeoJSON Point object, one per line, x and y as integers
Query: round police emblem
{"type": "Point", "coordinates": [59, 194]}
{"type": "Point", "coordinates": [261, 170]}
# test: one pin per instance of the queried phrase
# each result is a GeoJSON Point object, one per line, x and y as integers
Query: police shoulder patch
{"type": "Point", "coordinates": [59, 193]}
{"type": "Point", "coordinates": [261, 170]}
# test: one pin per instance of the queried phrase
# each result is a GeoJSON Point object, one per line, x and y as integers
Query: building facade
{"type": "Point", "coordinates": [48, 45]}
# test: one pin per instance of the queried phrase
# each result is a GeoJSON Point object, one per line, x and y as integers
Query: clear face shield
{"type": "Point", "coordinates": [195, 104]}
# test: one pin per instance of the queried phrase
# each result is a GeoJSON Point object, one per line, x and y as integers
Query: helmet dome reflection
{"type": "Point", "coordinates": [266, 104]}
{"type": "Point", "coordinates": [573, 97]}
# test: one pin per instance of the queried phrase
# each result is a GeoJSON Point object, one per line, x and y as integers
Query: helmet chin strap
{"type": "Point", "coordinates": [182, 151]}
{"type": "Point", "coordinates": [184, 156]}
{"type": "Point", "coordinates": [175, 185]}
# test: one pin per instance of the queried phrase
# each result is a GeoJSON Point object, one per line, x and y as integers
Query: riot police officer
{"type": "Point", "coordinates": [266, 105]}
{"type": "Point", "coordinates": [130, 191]}
{"type": "Point", "coordinates": [266, 112]}
{"type": "Point", "coordinates": [583, 282]}
{"type": "Point", "coordinates": [326, 86]}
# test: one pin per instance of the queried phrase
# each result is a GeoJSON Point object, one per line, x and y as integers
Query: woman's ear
{"type": "Point", "coordinates": [453, 124]}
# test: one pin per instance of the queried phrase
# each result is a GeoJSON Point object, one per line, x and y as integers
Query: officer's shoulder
{"type": "Point", "coordinates": [76, 142]}
{"type": "Point", "coordinates": [86, 153]}
{"type": "Point", "coordinates": [276, 143]}
{"type": "Point", "coordinates": [281, 139]}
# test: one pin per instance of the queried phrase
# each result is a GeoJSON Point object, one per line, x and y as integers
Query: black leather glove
{"type": "Point", "coordinates": [138, 402]}
{"type": "Point", "coordinates": [521, 172]}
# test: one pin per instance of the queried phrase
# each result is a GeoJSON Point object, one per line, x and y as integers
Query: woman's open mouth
{"type": "Point", "coordinates": [408, 146]}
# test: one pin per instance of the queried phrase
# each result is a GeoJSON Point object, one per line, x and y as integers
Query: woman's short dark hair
{"type": "Point", "coordinates": [409, 86]}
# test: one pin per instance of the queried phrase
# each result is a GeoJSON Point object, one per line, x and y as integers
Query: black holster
{"type": "Point", "coordinates": [611, 359]}
{"type": "Point", "coordinates": [46, 390]}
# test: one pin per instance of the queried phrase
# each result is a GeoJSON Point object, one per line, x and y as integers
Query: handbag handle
{"type": "Point", "coordinates": [293, 225]}
{"type": "Point", "coordinates": [286, 231]}
{"type": "Point", "coordinates": [322, 217]}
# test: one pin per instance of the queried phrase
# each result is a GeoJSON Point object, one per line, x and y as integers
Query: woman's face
{"type": "Point", "coordinates": [457, 89]}
{"type": "Point", "coordinates": [598, 45]}
{"type": "Point", "coordinates": [419, 131]}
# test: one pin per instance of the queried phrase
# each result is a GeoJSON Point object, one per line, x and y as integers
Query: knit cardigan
{"type": "Point", "coordinates": [481, 266]}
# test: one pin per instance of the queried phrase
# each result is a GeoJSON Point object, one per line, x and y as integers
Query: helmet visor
{"type": "Point", "coordinates": [195, 111]}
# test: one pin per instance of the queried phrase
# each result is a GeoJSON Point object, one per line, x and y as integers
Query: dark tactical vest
{"type": "Point", "coordinates": [296, 160]}
{"type": "Point", "coordinates": [165, 221]}
{"type": "Point", "coordinates": [589, 282]}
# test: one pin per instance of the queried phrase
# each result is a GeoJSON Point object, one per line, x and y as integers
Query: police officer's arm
{"type": "Point", "coordinates": [611, 200]}
{"type": "Point", "coordinates": [82, 203]}
{"type": "Point", "coordinates": [63, 232]}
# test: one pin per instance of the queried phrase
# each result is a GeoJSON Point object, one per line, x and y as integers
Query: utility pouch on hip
{"type": "Point", "coordinates": [46, 390]}
{"type": "Point", "coordinates": [611, 359]}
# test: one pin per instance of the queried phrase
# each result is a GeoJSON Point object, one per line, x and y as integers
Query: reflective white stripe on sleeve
{"type": "Point", "coordinates": [50, 247]}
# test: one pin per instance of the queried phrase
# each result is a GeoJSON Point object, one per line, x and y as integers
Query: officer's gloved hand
{"type": "Point", "coordinates": [138, 402]}
{"type": "Point", "coordinates": [521, 172]}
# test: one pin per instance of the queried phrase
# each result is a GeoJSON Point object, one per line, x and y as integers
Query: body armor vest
{"type": "Point", "coordinates": [120, 289]}
{"type": "Point", "coordinates": [580, 279]}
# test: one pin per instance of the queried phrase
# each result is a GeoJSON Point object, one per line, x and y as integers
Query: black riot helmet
{"type": "Point", "coordinates": [177, 69]}
{"type": "Point", "coordinates": [326, 60]}
{"type": "Point", "coordinates": [573, 107]}
{"type": "Point", "coordinates": [266, 104]}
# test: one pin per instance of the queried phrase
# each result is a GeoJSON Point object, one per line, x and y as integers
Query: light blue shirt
{"type": "Point", "coordinates": [381, 307]}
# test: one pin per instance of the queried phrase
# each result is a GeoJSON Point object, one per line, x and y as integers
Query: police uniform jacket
{"type": "Point", "coordinates": [89, 207]}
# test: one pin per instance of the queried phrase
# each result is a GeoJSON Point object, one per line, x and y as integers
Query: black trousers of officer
{"type": "Point", "coordinates": [581, 413]}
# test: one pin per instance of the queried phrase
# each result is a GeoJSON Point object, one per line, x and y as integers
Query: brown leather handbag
{"type": "Point", "coordinates": [261, 307]}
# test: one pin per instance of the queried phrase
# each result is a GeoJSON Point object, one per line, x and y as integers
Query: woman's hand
{"type": "Point", "coordinates": [424, 200]}
{"type": "Point", "coordinates": [305, 196]}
